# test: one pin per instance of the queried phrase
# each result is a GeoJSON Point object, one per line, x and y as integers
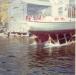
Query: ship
{"type": "Point", "coordinates": [44, 19]}
{"type": "Point", "coordinates": [61, 34]}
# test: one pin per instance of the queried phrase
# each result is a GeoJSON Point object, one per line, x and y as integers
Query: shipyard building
{"type": "Point", "coordinates": [22, 12]}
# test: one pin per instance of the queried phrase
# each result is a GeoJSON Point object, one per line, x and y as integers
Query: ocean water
{"type": "Point", "coordinates": [17, 57]}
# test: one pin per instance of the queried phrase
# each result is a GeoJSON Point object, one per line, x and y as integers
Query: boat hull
{"type": "Point", "coordinates": [43, 30]}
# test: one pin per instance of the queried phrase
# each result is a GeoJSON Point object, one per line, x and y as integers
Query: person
{"type": "Point", "coordinates": [8, 34]}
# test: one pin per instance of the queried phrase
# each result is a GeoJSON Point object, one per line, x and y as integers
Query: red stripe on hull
{"type": "Point", "coordinates": [44, 35]}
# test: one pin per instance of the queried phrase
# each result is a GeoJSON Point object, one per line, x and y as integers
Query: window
{"type": "Point", "coordinates": [61, 2]}
{"type": "Point", "coordinates": [34, 10]}
{"type": "Point", "coordinates": [46, 12]}
{"type": "Point", "coordinates": [60, 10]}
{"type": "Point", "coordinates": [71, 12]}
{"type": "Point", "coordinates": [72, 2]}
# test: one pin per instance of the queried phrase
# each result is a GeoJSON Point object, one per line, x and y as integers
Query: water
{"type": "Point", "coordinates": [17, 57]}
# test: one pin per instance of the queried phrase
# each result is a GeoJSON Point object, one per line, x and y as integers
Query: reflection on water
{"type": "Point", "coordinates": [55, 61]}
{"type": "Point", "coordinates": [17, 57]}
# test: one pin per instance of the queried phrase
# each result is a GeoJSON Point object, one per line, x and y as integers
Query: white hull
{"type": "Point", "coordinates": [39, 26]}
